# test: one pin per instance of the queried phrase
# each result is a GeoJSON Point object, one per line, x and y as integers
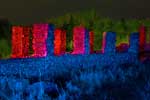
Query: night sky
{"type": "Point", "coordinates": [34, 11]}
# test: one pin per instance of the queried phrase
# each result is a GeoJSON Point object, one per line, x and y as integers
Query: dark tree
{"type": "Point", "coordinates": [5, 29]}
{"type": "Point", "coordinates": [69, 34]}
{"type": "Point", "coordinates": [5, 37]}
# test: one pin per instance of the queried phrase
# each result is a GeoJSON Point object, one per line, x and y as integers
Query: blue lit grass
{"type": "Point", "coordinates": [121, 82]}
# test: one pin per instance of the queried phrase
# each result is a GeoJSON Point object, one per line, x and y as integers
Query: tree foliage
{"type": "Point", "coordinates": [5, 38]}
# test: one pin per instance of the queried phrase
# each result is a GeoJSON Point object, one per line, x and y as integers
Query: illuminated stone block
{"type": "Point", "coordinates": [63, 40]}
{"type": "Point", "coordinates": [59, 42]}
{"type": "Point", "coordinates": [108, 43]}
{"type": "Point", "coordinates": [25, 41]}
{"type": "Point", "coordinates": [142, 40]}
{"type": "Point", "coordinates": [78, 40]}
{"type": "Point", "coordinates": [134, 43]}
{"type": "Point", "coordinates": [87, 42]}
{"type": "Point", "coordinates": [91, 36]}
{"type": "Point", "coordinates": [40, 32]}
{"type": "Point", "coordinates": [17, 46]}
{"type": "Point", "coordinates": [50, 40]}
{"type": "Point", "coordinates": [81, 43]}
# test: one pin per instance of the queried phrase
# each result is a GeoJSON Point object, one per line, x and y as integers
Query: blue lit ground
{"type": "Point", "coordinates": [128, 81]}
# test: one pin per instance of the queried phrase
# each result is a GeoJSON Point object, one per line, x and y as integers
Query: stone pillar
{"type": "Point", "coordinates": [50, 40]}
{"type": "Point", "coordinates": [109, 42]}
{"type": "Point", "coordinates": [81, 44]}
{"type": "Point", "coordinates": [134, 43]}
{"type": "Point", "coordinates": [87, 42]}
{"type": "Point", "coordinates": [40, 32]}
{"type": "Point", "coordinates": [25, 40]}
{"type": "Point", "coordinates": [59, 42]}
{"type": "Point", "coordinates": [142, 37]}
{"type": "Point", "coordinates": [17, 47]}
{"type": "Point", "coordinates": [91, 37]}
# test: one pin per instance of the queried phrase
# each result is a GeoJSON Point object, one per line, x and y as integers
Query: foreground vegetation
{"type": "Point", "coordinates": [128, 81]}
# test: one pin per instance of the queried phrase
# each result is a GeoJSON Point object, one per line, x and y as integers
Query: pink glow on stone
{"type": "Point", "coordinates": [78, 40]}
{"type": "Point", "coordinates": [104, 42]}
{"type": "Point", "coordinates": [25, 41]}
{"type": "Point", "coordinates": [40, 33]}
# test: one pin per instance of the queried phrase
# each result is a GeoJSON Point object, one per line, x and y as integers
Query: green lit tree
{"type": "Point", "coordinates": [68, 27]}
{"type": "Point", "coordinates": [5, 38]}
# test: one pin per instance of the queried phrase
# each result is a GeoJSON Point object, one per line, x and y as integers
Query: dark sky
{"type": "Point", "coordinates": [34, 11]}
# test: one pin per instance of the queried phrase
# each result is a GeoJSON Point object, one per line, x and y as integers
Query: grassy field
{"type": "Point", "coordinates": [128, 81]}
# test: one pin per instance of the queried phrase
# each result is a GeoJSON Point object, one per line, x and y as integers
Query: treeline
{"type": "Point", "coordinates": [5, 38]}
{"type": "Point", "coordinates": [99, 24]}
{"type": "Point", "coordinates": [90, 19]}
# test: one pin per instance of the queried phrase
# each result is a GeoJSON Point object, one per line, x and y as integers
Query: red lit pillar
{"type": "Point", "coordinates": [59, 41]}
{"type": "Point", "coordinates": [40, 32]}
{"type": "Point", "coordinates": [17, 33]}
{"type": "Point", "coordinates": [78, 40]}
{"type": "Point", "coordinates": [25, 41]}
{"type": "Point", "coordinates": [142, 40]}
{"type": "Point", "coordinates": [91, 36]}
{"type": "Point", "coordinates": [63, 40]}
